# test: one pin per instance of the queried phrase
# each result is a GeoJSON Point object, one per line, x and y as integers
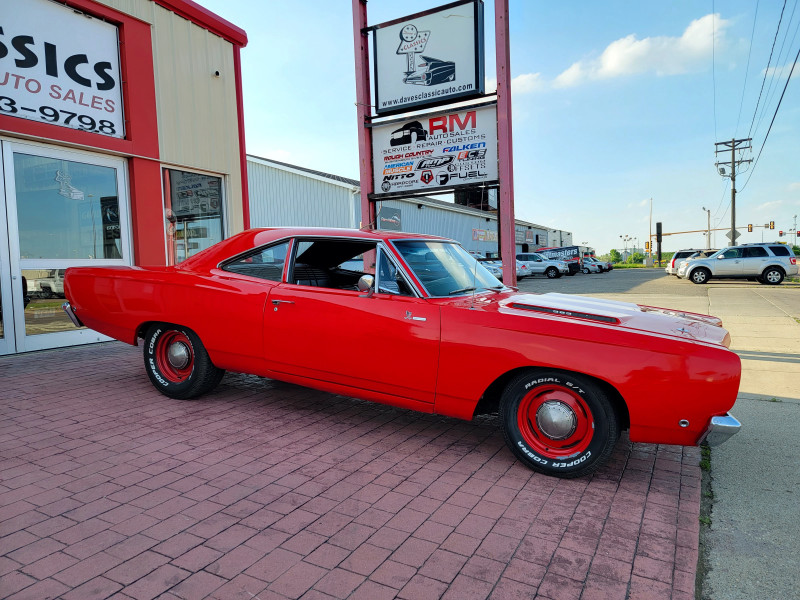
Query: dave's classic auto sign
{"type": "Point", "coordinates": [436, 151]}
{"type": "Point", "coordinates": [429, 58]}
{"type": "Point", "coordinates": [58, 66]}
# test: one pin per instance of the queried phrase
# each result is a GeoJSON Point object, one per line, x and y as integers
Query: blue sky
{"type": "Point", "coordinates": [615, 102]}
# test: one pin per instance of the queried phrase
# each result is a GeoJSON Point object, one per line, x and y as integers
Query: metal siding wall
{"type": "Point", "coordinates": [282, 199]}
{"type": "Point", "coordinates": [197, 117]}
{"type": "Point", "coordinates": [451, 224]}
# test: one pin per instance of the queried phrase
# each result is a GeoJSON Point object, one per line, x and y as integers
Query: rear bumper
{"type": "Point", "coordinates": [719, 430]}
{"type": "Point", "coordinates": [71, 314]}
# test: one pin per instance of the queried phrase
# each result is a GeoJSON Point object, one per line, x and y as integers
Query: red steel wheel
{"type": "Point", "coordinates": [555, 421]}
{"type": "Point", "coordinates": [558, 423]}
{"type": "Point", "coordinates": [175, 356]}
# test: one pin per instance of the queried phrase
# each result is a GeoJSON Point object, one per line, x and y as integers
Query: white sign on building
{"type": "Point", "coordinates": [60, 67]}
{"type": "Point", "coordinates": [430, 58]}
{"type": "Point", "coordinates": [435, 152]}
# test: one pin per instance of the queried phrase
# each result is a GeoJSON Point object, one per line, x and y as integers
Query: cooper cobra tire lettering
{"type": "Point", "coordinates": [558, 423]}
{"type": "Point", "coordinates": [156, 374]}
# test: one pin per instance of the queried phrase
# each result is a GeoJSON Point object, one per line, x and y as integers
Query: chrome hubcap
{"type": "Point", "coordinates": [556, 420]}
{"type": "Point", "coordinates": [772, 276]}
{"type": "Point", "coordinates": [179, 355]}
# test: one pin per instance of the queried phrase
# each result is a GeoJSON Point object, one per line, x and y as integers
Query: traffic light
{"type": "Point", "coordinates": [780, 234]}
{"type": "Point", "coordinates": [647, 246]}
{"type": "Point", "coordinates": [750, 228]}
{"type": "Point", "coordinates": [658, 232]}
{"type": "Point", "coordinates": [772, 224]}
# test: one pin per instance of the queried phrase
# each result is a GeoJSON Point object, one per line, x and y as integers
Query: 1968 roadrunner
{"type": "Point", "coordinates": [416, 322]}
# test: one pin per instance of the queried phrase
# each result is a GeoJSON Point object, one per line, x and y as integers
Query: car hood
{"type": "Point", "coordinates": [612, 313]}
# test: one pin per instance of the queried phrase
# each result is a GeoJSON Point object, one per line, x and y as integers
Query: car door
{"type": "Point", "coordinates": [754, 260]}
{"type": "Point", "coordinates": [729, 263]}
{"type": "Point", "coordinates": [379, 341]}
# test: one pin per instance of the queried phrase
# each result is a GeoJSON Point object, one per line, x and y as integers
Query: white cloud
{"type": "Point", "coordinates": [794, 187]}
{"type": "Point", "coordinates": [662, 55]}
{"type": "Point", "coordinates": [767, 205]}
{"type": "Point", "coordinates": [781, 72]}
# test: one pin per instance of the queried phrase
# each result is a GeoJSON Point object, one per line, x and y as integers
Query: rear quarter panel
{"type": "Point", "coordinates": [224, 309]}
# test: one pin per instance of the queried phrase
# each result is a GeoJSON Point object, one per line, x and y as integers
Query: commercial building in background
{"type": "Point", "coordinates": [122, 143]}
{"type": "Point", "coordinates": [287, 195]}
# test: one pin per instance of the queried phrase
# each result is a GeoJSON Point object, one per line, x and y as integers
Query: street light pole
{"type": "Point", "coordinates": [708, 234]}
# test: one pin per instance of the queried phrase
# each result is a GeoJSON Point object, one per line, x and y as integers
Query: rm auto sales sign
{"type": "Point", "coordinates": [435, 152]}
{"type": "Point", "coordinates": [429, 58]}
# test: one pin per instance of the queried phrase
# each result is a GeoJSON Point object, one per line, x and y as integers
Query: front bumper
{"type": "Point", "coordinates": [719, 430]}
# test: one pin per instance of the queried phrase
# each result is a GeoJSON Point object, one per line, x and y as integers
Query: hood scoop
{"type": "Point", "coordinates": [565, 312]}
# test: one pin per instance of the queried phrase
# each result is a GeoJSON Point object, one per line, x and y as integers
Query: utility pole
{"type": "Point", "coordinates": [734, 145]}
{"type": "Point", "coordinates": [708, 235]}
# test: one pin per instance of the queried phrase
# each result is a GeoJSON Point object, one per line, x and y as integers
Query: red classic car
{"type": "Point", "coordinates": [401, 319]}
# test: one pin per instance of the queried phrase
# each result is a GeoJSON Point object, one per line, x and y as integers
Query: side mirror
{"type": "Point", "coordinates": [720, 257]}
{"type": "Point", "coordinates": [366, 283]}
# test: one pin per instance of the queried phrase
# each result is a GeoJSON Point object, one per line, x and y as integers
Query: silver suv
{"type": "Point", "coordinates": [541, 265]}
{"type": "Point", "coordinates": [766, 263]}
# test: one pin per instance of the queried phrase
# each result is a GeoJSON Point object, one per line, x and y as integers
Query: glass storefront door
{"type": "Point", "coordinates": [64, 208]}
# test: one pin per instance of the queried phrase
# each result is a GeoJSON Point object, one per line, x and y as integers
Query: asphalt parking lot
{"type": "Point", "coordinates": [269, 490]}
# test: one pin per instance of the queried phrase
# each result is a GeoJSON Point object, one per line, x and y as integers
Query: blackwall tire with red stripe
{"type": "Point", "coordinates": [558, 423]}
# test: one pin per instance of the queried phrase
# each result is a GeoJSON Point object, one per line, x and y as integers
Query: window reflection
{"type": "Point", "coordinates": [43, 291]}
{"type": "Point", "coordinates": [66, 209]}
{"type": "Point", "coordinates": [193, 206]}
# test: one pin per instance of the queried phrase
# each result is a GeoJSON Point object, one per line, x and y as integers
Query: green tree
{"type": "Point", "coordinates": [615, 256]}
{"type": "Point", "coordinates": [636, 258]}
{"type": "Point", "coordinates": [796, 250]}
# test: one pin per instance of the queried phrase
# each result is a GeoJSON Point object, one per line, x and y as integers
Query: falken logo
{"type": "Point", "coordinates": [434, 163]}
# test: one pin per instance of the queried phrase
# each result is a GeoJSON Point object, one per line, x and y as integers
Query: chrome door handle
{"type": "Point", "coordinates": [276, 302]}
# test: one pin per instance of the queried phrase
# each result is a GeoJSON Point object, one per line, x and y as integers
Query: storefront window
{"type": "Point", "coordinates": [66, 209]}
{"type": "Point", "coordinates": [193, 207]}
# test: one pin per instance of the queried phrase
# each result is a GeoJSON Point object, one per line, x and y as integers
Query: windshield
{"type": "Point", "coordinates": [446, 269]}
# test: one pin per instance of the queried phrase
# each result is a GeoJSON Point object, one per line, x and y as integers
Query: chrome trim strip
{"type": "Point", "coordinates": [720, 430]}
{"type": "Point", "coordinates": [71, 314]}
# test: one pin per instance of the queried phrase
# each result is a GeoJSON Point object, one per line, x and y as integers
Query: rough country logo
{"type": "Point", "coordinates": [432, 71]}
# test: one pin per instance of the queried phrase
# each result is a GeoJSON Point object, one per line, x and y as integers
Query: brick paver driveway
{"type": "Point", "coordinates": [268, 490]}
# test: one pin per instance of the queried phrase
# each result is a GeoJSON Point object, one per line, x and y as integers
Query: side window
{"type": "Point", "coordinates": [732, 253]}
{"type": "Point", "coordinates": [390, 279]}
{"type": "Point", "coordinates": [266, 264]}
{"type": "Point", "coordinates": [755, 252]}
{"type": "Point", "coordinates": [332, 263]}
{"type": "Point", "coordinates": [780, 250]}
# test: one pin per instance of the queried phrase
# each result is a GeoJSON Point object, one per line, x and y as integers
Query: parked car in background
{"type": "Point", "coordinates": [277, 303]}
{"type": "Point", "coordinates": [496, 268]}
{"type": "Point", "coordinates": [602, 265]}
{"type": "Point", "coordinates": [591, 267]}
{"type": "Point", "coordinates": [767, 263]}
{"type": "Point", "coordinates": [698, 254]}
{"type": "Point", "coordinates": [675, 261]}
{"type": "Point", "coordinates": [541, 265]}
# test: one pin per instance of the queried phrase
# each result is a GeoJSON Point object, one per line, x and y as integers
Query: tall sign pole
{"type": "Point", "coordinates": [363, 111]}
{"type": "Point", "coordinates": [506, 231]}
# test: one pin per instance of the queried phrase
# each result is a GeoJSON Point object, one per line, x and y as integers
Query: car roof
{"type": "Point", "coordinates": [253, 238]}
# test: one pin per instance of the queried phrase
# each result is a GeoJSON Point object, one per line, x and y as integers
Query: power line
{"type": "Point", "coordinates": [766, 71]}
{"type": "Point", "coordinates": [713, 62]}
{"type": "Point", "coordinates": [747, 69]}
{"type": "Point", "coordinates": [788, 79]}
{"type": "Point", "coordinates": [775, 76]}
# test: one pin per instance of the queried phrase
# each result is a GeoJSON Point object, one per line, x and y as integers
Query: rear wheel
{"type": "Point", "coordinates": [177, 362]}
{"type": "Point", "coordinates": [586, 271]}
{"type": "Point", "coordinates": [700, 276]}
{"type": "Point", "coordinates": [772, 276]}
{"type": "Point", "coordinates": [551, 272]}
{"type": "Point", "coordinates": [558, 423]}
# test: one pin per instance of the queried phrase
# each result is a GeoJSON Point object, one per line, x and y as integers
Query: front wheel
{"type": "Point", "coordinates": [177, 362]}
{"type": "Point", "coordinates": [552, 273]}
{"type": "Point", "coordinates": [700, 276]}
{"type": "Point", "coordinates": [586, 271]}
{"type": "Point", "coordinates": [558, 423]}
{"type": "Point", "coordinates": [772, 276]}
